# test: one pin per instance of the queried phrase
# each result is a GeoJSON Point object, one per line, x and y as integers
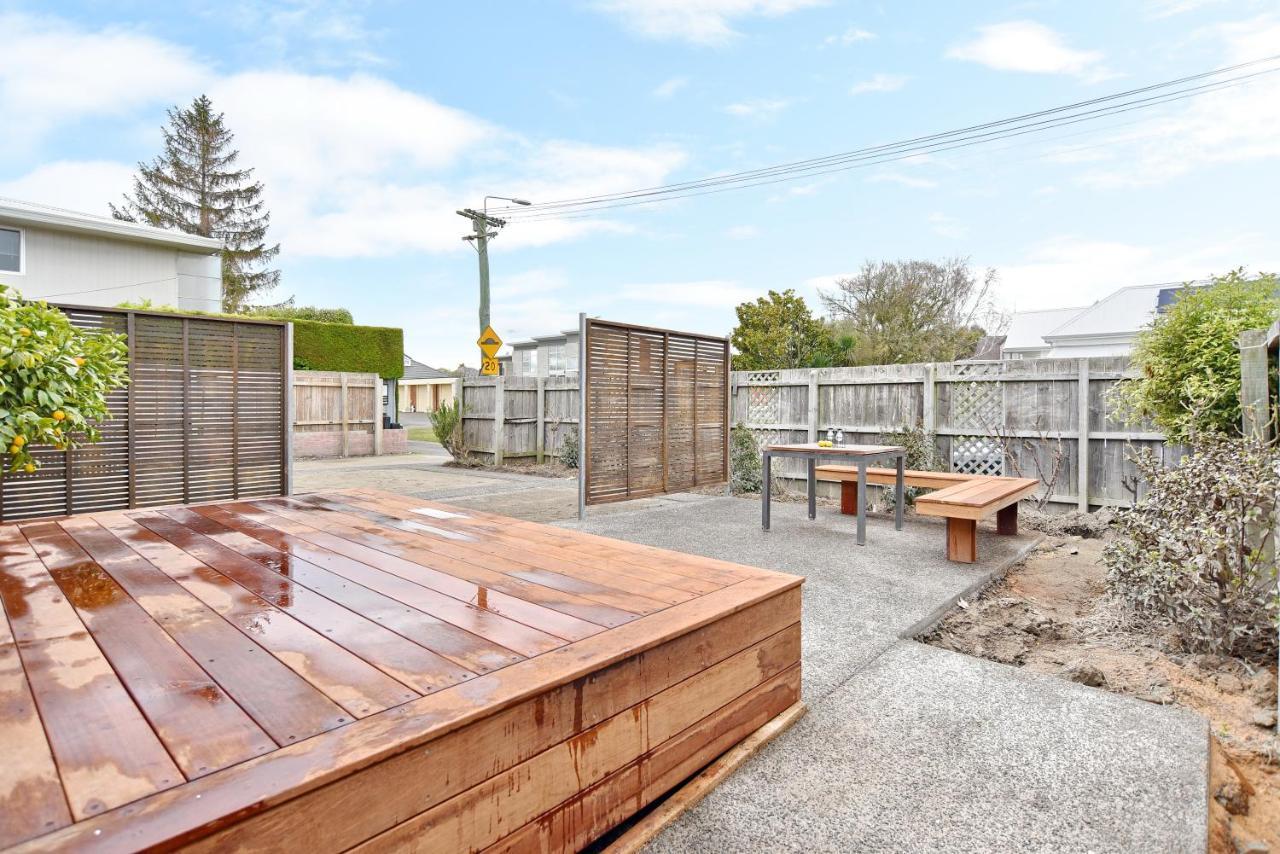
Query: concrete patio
{"type": "Point", "coordinates": [905, 747]}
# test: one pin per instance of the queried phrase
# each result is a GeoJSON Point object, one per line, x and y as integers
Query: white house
{"type": "Point", "coordinates": [62, 256]}
{"type": "Point", "coordinates": [546, 355]}
{"type": "Point", "coordinates": [1106, 328]}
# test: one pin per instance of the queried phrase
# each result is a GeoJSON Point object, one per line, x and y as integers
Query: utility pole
{"type": "Point", "coordinates": [481, 223]}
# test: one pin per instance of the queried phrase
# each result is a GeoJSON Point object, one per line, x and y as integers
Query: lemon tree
{"type": "Point", "coordinates": [54, 381]}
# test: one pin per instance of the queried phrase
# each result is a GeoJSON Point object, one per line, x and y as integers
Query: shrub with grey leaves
{"type": "Point", "coordinates": [744, 461]}
{"type": "Point", "coordinates": [1199, 548]}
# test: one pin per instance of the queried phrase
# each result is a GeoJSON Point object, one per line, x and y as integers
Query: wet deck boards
{"type": "Point", "coordinates": [360, 670]}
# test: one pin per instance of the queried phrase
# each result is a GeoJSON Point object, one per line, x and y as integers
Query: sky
{"type": "Point", "coordinates": [371, 123]}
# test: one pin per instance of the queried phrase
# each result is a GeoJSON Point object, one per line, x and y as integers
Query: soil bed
{"type": "Point", "coordinates": [1053, 615]}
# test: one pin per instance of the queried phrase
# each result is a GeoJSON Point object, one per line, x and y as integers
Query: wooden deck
{"type": "Point", "coordinates": [362, 670]}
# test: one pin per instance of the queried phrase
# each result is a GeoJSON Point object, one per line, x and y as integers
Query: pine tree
{"type": "Point", "coordinates": [194, 187]}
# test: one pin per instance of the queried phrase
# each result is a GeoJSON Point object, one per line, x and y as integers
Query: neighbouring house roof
{"type": "Point", "coordinates": [415, 370]}
{"type": "Point", "coordinates": [1028, 328]}
{"type": "Point", "coordinates": [1122, 313]}
{"type": "Point", "coordinates": [30, 213]}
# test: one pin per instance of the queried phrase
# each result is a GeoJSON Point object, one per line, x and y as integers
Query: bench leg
{"type": "Point", "coordinates": [962, 540]}
{"type": "Point", "coordinates": [849, 498]}
{"type": "Point", "coordinates": [1007, 520]}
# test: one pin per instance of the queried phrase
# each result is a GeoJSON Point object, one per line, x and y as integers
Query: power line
{"type": "Point", "coordinates": [1114, 104]}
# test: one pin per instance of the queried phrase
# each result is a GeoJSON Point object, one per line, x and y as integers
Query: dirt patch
{"type": "Point", "coordinates": [1053, 615]}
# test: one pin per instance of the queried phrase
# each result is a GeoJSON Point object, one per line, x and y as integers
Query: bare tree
{"type": "Point", "coordinates": [1044, 454]}
{"type": "Point", "coordinates": [914, 311]}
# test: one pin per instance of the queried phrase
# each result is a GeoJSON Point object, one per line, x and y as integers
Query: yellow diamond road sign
{"type": "Point", "coordinates": [489, 342]}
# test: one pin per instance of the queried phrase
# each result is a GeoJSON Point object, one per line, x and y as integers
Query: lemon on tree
{"type": "Point", "coordinates": [54, 379]}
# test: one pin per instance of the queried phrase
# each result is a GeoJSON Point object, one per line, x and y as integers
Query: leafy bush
{"type": "Point", "coordinates": [744, 461]}
{"type": "Point", "coordinates": [446, 423]}
{"type": "Point", "coordinates": [922, 455]}
{"type": "Point", "coordinates": [55, 380]}
{"type": "Point", "coordinates": [301, 312]}
{"type": "Point", "coordinates": [346, 347]}
{"type": "Point", "coordinates": [1198, 548]}
{"type": "Point", "coordinates": [569, 448]}
{"type": "Point", "coordinates": [1190, 361]}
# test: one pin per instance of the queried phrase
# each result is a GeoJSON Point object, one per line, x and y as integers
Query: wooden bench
{"type": "Point", "coordinates": [962, 499]}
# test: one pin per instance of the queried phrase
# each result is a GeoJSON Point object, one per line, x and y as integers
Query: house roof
{"type": "Point", "coordinates": [415, 370]}
{"type": "Point", "coordinates": [1122, 313]}
{"type": "Point", "coordinates": [30, 213]}
{"type": "Point", "coordinates": [1027, 329]}
{"type": "Point", "coordinates": [989, 347]}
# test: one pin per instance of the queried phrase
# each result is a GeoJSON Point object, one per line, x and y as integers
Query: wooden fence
{"type": "Point", "coordinates": [337, 414]}
{"type": "Point", "coordinates": [517, 417]}
{"type": "Point", "coordinates": [657, 415]}
{"type": "Point", "coordinates": [204, 418]}
{"type": "Point", "coordinates": [1042, 408]}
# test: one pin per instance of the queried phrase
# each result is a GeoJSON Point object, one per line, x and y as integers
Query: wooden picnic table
{"type": "Point", "coordinates": [860, 455]}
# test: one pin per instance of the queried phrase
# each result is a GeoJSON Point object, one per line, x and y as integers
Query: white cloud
{"type": "Point", "coordinates": [948, 227]}
{"type": "Point", "coordinates": [54, 74]}
{"type": "Point", "coordinates": [742, 232]}
{"type": "Point", "coordinates": [1072, 270]}
{"type": "Point", "coordinates": [669, 87]}
{"type": "Point", "coordinates": [853, 35]}
{"type": "Point", "coordinates": [759, 108]}
{"type": "Point", "coordinates": [712, 293]}
{"type": "Point", "coordinates": [85, 185]}
{"type": "Point", "coordinates": [708, 22]}
{"type": "Point", "coordinates": [353, 166]}
{"type": "Point", "coordinates": [899, 178]}
{"type": "Point", "coordinates": [326, 33]}
{"type": "Point", "coordinates": [879, 83]}
{"type": "Point", "coordinates": [1235, 125]}
{"type": "Point", "coordinates": [1030, 47]}
{"type": "Point", "coordinates": [1169, 8]}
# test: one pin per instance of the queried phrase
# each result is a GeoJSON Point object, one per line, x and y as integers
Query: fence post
{"type": "Point", "coordinates": [1253, 383]}
{"type": "Point", "coordinates": [377, 413]}
{"type": "Point", "coordinates": [540, 440]}
{"type": "Point", "coordinates": [499, 419]}
{"type": "Point", "coordinates": [813, 406]}
{"type": "Point", "coordinates": [342, 408]}
{"type": "Point", "coordinates": [1082, 438]}
{"type": "Point", "coordinates": [929, 416]}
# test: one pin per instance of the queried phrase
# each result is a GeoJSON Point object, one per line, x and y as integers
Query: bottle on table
{"type": "Point", "coordinates": [840, 436]}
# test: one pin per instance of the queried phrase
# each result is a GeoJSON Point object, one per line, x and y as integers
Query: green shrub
{"type": "Point", "coordinates": [346, 347]}
{"type": "Point", "coordinates": [55, 379]}
{"type": "Point", "coordinates": [1198, 548]}
{"type": "Point", "coordinates": [446, 423]}
{"type": "Point", "coordinates": [569, 448]}
{"type": "Point", "coordinates": [1189, 358]}
{"type": "Point", "coordinates": [744, 461]}
{"type": "Point", "coordinates": [301, 312]}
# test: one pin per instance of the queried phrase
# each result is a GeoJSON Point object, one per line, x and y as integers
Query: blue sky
{"type": "Point", "coordinates": [370, 123]}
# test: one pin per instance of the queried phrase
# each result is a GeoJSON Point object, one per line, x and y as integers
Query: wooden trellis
{"type": "Point", "coordinates": [204, 418]}
{"type": "Point", "coordinates": [656, 416]}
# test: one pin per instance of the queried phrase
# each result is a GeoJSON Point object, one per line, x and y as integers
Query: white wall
{"type": "Point", "coordinates": [83, 269]}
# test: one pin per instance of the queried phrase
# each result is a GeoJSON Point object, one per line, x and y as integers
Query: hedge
{"type": "Point", "coordinates": [301, 312]}
{"type": "Point", "coordinates": [344, 347]}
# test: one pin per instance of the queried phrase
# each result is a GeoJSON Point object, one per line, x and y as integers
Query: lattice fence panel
{"type": "Point", "coordinates": [976, 404]}
{"type": "Point", "coordinates": [976, 455]}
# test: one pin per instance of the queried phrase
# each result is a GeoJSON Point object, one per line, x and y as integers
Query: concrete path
{"type": "Point", "coordinates": [905, 747]}
{"type": "Point", "coordinates": [911, 748]}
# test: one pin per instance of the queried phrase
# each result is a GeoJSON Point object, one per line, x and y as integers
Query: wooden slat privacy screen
{"type": "Point", "coordinates": [657, 417]}
{"type": "Point", "coordinates": [202, 419]}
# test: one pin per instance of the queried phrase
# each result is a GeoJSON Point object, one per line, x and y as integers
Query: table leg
{"type": "Point", "coordinates": [862, 502]}
{"type": "Point", "coordinates": [764, 490]}
{"type": "Point", "coordinates": [813, 488]}
{"type": "Point", "coordinates": [899, 497]}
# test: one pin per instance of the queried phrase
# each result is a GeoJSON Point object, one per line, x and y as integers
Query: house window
{"type": "Point", "coordinates": [555, 360]}
{"type": "Point", "coordinates": [10, 250]}
{"type": "Point", "coordinates": [528, 363]}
